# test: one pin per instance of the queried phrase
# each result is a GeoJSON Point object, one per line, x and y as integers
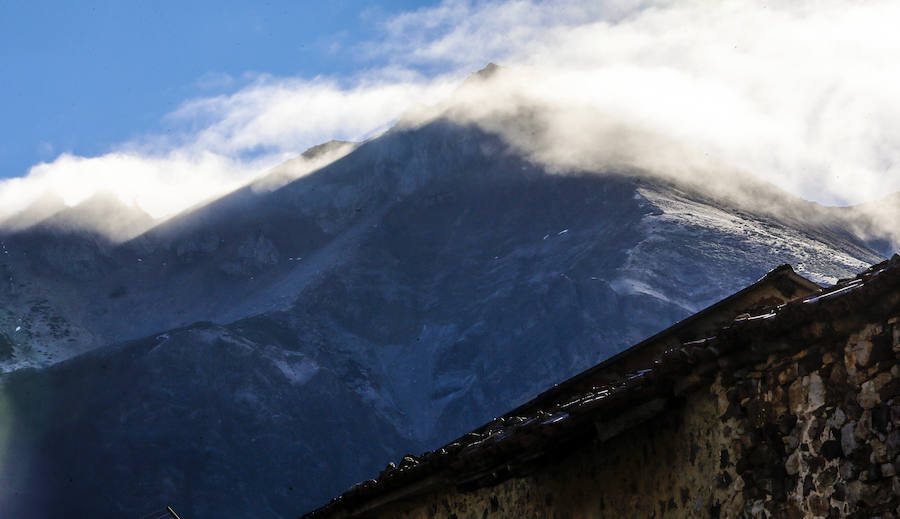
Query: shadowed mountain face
{"type": "Point", "coordinates": [414, 289]}
{"type": "Point", "coordinates": [201, 418]}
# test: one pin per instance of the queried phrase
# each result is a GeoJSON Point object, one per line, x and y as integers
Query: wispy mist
{"type": "Point", "coordinates": [224, 142]}
{"type": "Point", "coordinates": [801, 95]}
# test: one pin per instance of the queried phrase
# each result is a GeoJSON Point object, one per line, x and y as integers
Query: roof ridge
{"type": "Point", "coordinates": [488, 457]}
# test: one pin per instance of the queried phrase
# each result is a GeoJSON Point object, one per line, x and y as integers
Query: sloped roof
{"type": "Point", "coordinates": [786, 284]}
{"type": "Point", "coordinates": [513, 445]}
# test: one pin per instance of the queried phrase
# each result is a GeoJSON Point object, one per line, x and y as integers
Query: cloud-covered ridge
{"type": "Point", "coordinates": [800, 94]}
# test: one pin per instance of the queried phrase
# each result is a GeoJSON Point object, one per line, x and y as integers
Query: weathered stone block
{"type": "Point", "coordinates": [788, 375]}
{"type": "Point", "coordinates": [881, 380]}
{"type": "Point", "coordinates": [848, 470]}
{"type": "Point", "coordinates": [815, 462]}
{"type": "Point", "coordinates": [870, 496]}
{"type": "Point", "coordinates": [848, 438]}
{"type": "Point", "coordinates": [818, 505]}
{"type": "Point", "coordinates": [866, 474]}
{"type": "Point", "coordinates": [838, 374]}
{"type": "Point", "coordinates": [797, 394]}
{"type": "Point", "coordinates": [816, 396]}
{"type": "Point", "coordinates": [792, 441]}
{"type": "Point", "coordinates": [792, 465]}
{"type": "Point", "coordinates": [868, 395]}
{"type": "Point", "coordinates": [854, 493]}
{"type": "Point", "coordinates": [827, 477]}
{"type": "Point", "coordinates": [856, 355]}
{"type": "Point", "coordinates": [837, 419]}
{"type": "Point", "coordinates": [814, 430]}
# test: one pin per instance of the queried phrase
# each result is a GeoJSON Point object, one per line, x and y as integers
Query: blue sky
{"type": "Point", "coordinates": [80, 77]}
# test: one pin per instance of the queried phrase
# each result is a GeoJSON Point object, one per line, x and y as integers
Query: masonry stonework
{"type": "Point", "coordinates": [809, 430]}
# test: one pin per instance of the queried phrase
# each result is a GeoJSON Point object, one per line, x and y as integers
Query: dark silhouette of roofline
{"type": "Point", "coordinates": [513, 445]}
{"type": "Point", "coordinates": [779, 274]}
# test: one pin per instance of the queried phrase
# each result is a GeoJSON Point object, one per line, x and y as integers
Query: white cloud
{"type": "Point", "coordinates": [801, 94]}
{"type": "Point", "coordinates": [226, 141]}
{"type": "Point", "coordinates": [278, 114]}
{"type": "Point", "coordinates": [159, 184]}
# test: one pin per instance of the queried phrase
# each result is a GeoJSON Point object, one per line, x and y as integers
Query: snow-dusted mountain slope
{"type": "Point", "coordinates": [255, 250]}
{"type": "Point", "coordinates": [411, 290]}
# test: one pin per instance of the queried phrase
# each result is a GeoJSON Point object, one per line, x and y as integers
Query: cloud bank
{"type": "Point", "coordinates": [801, 95]}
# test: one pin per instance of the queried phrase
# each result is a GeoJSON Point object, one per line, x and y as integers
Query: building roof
{"type": "Point", "coordinates": [568, 415]}
{"type": "Point", "coordinates": [778, 286]}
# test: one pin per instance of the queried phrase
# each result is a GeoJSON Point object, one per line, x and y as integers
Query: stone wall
{"type": "Point", "coordinates": [805, 426]}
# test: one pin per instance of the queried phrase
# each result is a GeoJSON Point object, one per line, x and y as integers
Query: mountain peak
{"type": "Point", "coordinates": [104, 213]}
{"type": "Point", "coordinates": [43, 207]}
{"type": "Point", "coordinates": [485, 74]}
{"type": "Point", "coordinates": [488, 71]}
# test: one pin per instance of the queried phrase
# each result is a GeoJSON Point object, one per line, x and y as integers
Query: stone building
{"type": "Point", "coordinates": [782, 400]}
